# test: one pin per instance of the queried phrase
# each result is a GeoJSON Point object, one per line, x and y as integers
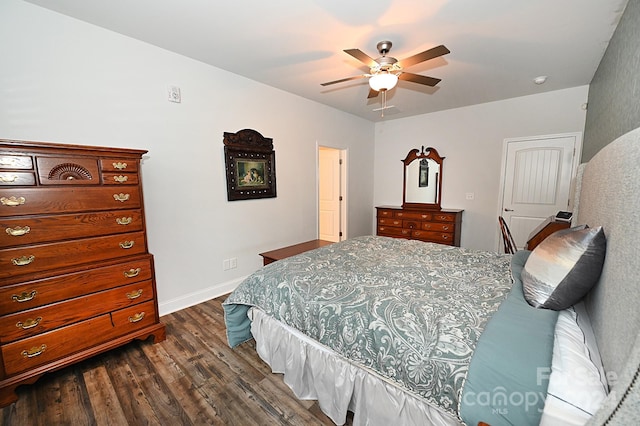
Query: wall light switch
{"type": "Point", "coordinates": [174, 94]}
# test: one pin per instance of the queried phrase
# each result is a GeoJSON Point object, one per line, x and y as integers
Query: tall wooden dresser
{"type": "Point", "coordinates": [436, 226]}
{"type": "Point", "coordinates": [76, 277]}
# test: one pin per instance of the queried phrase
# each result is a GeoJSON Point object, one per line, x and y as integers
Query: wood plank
{"type": "Point", "coordinates": [165, 405]}
{"type": "Point", "coordinates": [136, 407]}
{"type": "Point", "coordinates": [104, 400]}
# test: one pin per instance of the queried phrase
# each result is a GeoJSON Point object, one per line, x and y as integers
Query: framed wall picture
{"type": "Point", "coordinates": [250, 164]}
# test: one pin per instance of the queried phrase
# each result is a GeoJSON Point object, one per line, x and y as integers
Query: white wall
{"type": "Point", "coordinates": [66, 81]}
{"type": "Point", "coordinates": [471, 139]}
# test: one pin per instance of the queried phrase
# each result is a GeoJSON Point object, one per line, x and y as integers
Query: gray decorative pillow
{"type": "Point", "coordinates": [564, 267]}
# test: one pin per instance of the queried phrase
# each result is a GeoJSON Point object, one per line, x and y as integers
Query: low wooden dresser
{"type": "Point", "coordinates": [436, 226]}
{"type": "Point", "coordinates": [76, 277]}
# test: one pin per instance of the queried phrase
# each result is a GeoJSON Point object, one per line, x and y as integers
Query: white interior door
{"type": "Point", "coordinates": [329, 194]}
{"type": "Point", "coordinates": [538, 172]}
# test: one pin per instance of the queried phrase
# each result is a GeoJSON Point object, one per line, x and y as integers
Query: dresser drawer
{"type": "Point", "coordinates": [38, 320]}
{"type": "Point", "coordinates": [391, 231]}
{"type": "Point", "coordinates": [411, 224]}
{"type": "Point", "coordinates": [16, 162]}
{"type": "Point", "coordinates": [444, 217]}
{"type": "Point", "coordinates": [41, 292]}
{"type": "Point", "coordinates": [40, 229]}
{"type": "Point", "coordinates": [135, 317]}
{"type": "Point", "coordinates": [437, 237]}
{"type": "Point", "coordinates": [119, 179]}
{"type": "Point", "coordinates": [17, 179]}
{"type": "Point", "coordinates": [119, 165]}
{"type": "Point", "coordinates": [25, 201]}
{"type": "Point", "coordinates": [33, 351]}
{"type": "Point", "coordinates": [384, 221]}
{"type": "Point", "coordinates": [68, 171]}
{"type": "Point", "coordinates": [385, 213]}
{"type": "Point", "coordinates": [41, 257]}
{"type": "Point", "coordinates": [412, 215]}
{"type": "Point", "coordinates": [438, 226]}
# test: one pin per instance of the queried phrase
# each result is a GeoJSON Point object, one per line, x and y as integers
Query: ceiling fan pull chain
{"type": "Point", "coordinates": [384, 103]}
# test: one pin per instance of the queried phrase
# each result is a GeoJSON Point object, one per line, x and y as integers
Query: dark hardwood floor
{"type": "Point", "coordinates": [192, 378]}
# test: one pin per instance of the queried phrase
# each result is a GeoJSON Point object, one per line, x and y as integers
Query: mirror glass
{"type": "Point", "coordinates": [422, 179]}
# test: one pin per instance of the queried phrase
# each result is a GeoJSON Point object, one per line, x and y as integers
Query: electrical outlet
{"type": "Point", "coordinates": [233, 262]}
{"type": "Point", "coordinates": [226, 264]}
{"type": "Point", "coordinates": [470, 196]}
{"type": "Point", "coordinates": [174, 94]}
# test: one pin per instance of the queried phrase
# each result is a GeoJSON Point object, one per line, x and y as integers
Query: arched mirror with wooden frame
{"type": "Point", "coordinates": [422, 184]}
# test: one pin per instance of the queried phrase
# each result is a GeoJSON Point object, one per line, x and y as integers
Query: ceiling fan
{"type": "Point", "coordinates": [385, 71]}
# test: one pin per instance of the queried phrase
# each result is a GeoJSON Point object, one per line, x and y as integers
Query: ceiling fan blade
{"type": "Point", "coordinates": [362, 57]}
{"type": "Point", "coordinates": [420, 79]}
{"type": "Point", "coordinates": [424, 56]}
{"type": "Point", "coordinates": [372, 93]}
{"type": "Point", "coordinates": [344, 79]}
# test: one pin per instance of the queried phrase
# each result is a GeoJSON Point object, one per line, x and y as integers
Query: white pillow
{"type": "Point", "coordinates": [576, 388]}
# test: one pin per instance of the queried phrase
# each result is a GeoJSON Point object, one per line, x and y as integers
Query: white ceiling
{"type": "Point", "coordinates": [497, 46]}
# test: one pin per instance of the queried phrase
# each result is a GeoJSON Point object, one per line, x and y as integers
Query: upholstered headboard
{"type": "Point", "coordinates": [609, 195]}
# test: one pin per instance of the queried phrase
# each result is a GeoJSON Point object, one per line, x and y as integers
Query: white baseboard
{"type": "Point", "coordinates": [200, 296]}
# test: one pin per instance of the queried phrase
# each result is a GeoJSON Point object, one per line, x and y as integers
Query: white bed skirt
{"type": "Point", "coordinates": [314, 372]}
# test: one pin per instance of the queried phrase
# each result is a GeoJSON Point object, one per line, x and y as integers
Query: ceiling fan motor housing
{"type": "Point", "coordinates": [384, 47]}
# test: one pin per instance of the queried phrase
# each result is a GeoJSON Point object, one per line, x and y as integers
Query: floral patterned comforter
{"type": "Point", "coordinates": [409, 310]}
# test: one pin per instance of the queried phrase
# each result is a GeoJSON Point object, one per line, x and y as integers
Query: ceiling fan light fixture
{"type": "Point", "coordinates": [383, 81]}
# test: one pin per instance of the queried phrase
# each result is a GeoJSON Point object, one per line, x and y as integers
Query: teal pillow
{"type": "Point", "coordinates": [564, 267]}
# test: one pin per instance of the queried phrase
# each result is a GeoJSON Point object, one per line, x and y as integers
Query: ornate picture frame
{"type": "Point", "coordinates": [250, 164]}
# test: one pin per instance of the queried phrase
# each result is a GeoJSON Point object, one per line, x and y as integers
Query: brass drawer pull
{"type": "Point", "coordinates": [29, 323]}
{"type": "Point", "coordinates": [8, 161]}
{"type": "Point", "coordinates": [18, 231]}
{"type": "Point", "coordinates": [12, 201]}
{"type": "Point", "coordinates": [119, 165]}
{"type": "Point", "coordinates": [127, 244]}
{"type": "Point", "coordinates": [24, 297]}
{"type": "Point", "coordinates": [134, 294]}
{"type": "Point", "coordinates": [137, 317]}
{"type": "Point", "coordinates": [23, 260]}
{"type": "Point", "coordinates": [445, 228]}
{"type": "Point", "coordinates": [121, 197]}
{"type": "Point", "coordinates": [33, 352]}
{"type": "Point", "coordinates": [8, 179]}
{"type": "Point", "coordinates": [121, 179]}
{"type": "Point", "coordinates": [132, 273]}
{"type": "Point", "coordinates": [124, 220]}
{"type": "Point", "coordinates": [445, 237]}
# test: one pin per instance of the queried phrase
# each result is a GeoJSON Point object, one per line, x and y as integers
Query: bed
{"type": "Point", "coordinates": [407, 332]}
